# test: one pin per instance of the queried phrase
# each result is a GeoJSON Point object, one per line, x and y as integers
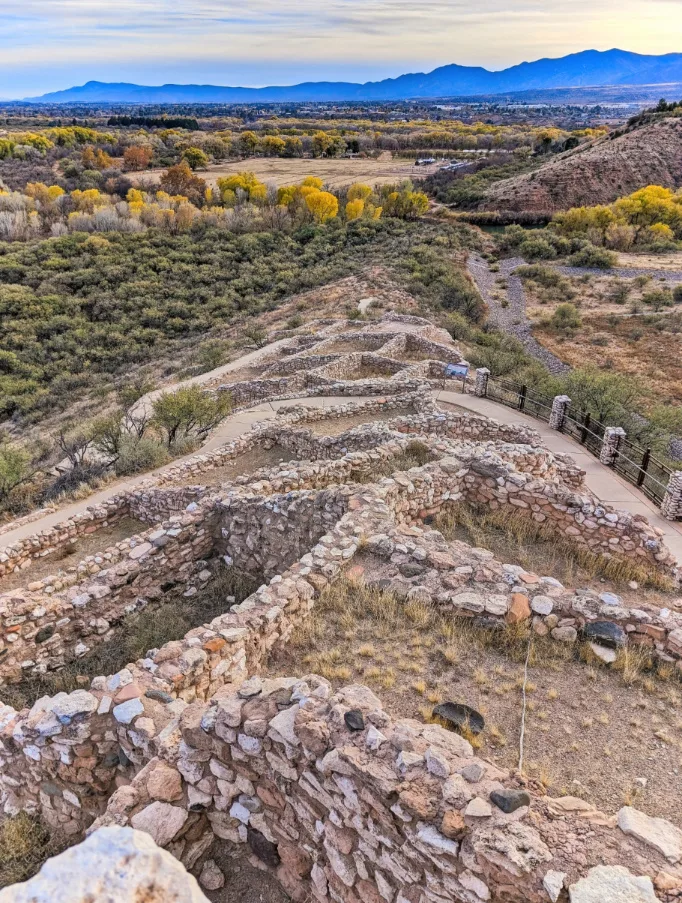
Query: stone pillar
{"type": "Point", "coordinates": [481, 387]}
{"type": "Point", "coordinates": [671, 506]}
{"type": "Point", "coordinates": [559, 408]}
{"type": "Point", "coordinates": [613, 436]}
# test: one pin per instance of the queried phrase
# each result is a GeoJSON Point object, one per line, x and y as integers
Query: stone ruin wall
{"type": "Point", "coordinates": [38, 746]}
{"type": "Point", "coordinates": [263, 535]}
{"type": "Point", "coordinates": [149, 506]}
{"type": "Point", "coordinates": [393, 810]}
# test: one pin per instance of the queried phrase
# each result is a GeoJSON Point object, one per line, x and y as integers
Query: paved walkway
{"type": "Point", "coordinates": [602, 481]}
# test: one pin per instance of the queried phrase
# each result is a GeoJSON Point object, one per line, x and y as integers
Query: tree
{"type": "Point", "coordinates": [293, 147]}
{"type": "Point", "coordinates": [14, 470]}
{"type": "Point", "coordinates": [406, 204]}
{"type": "Point", "coordinates": [195, 157]}
{"type": "Point", "coordinates": [248, 143]}
{"type": "Point", "coordinates": [273, 146]}
{"type": "Point", "coordinates": [137, 157]}
{"type": "Point", "coordinates": [354, 209]}
{"type": "Point", "coordinates": [359, 192]}
{"type": "Point", "coordinates": [322, 204]}
{"type": "Point", "coordinates": [189, 413]}
{"type": "Point", "coordinates": [180, 180]}
{"type": "Point", "coordinates": [242, 181]}
{"type": "Point", "coordinates": [322, 142]}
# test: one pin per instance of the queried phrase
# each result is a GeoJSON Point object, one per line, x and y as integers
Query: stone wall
{"type": "Point", "coordinates": [344, 803]}
{"type": "Point", "coordinates": [46, 542]}
{"type": "Point", "coordinates": [58, 619]}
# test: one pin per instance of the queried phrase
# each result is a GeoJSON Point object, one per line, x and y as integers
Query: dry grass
{"type": "Point", "coordinates": [416, 454]}
{"type": "Point", "coordinates": [578, 715]}
{"type": "Point", "coordinates": [151, 628]}
{"type": "Point", "coordinates": [335, 173]}
{"type": "Point", "coordinates": [513, 537]}
{"type": "Point", "coordinates": [25, 844]}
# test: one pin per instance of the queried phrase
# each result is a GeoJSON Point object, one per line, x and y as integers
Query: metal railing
{"type": "Point", "coordinates": [633, 462]}
{"type": "Point", "coordinates": [521, 398]}
{"type": "Point", "coordinates": [641, 468]}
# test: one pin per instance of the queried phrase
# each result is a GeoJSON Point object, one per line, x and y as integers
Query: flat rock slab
{"type": "Point", "coordinates": [656, 832]}
{"type": "Point", "coordinates": [612, 884]}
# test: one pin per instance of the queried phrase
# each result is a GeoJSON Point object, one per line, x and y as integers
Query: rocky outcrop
{"type": "Point", "coordinates": [113, 864]}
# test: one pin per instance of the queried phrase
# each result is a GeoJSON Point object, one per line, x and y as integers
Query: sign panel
{"type": "Point", "coordinates": [456, 370]}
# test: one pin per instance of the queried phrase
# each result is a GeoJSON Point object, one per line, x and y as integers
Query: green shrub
{"type": "Point", "coordinates": [658, 298]}
{"type": "Point", "coordinates": [593, 257]}
{"type": "Point", "coordinates": [537, 249]}
{"type": "Point", "coordinates": [140, 455]}
{"type": "Point", "coordinates": [566, 316]}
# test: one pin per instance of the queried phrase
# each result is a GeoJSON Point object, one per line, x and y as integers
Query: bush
{"type": "Point", "coordinates": [566, 316]}
{"type": "Point", "coordinates": [677, 294]}
{"type": "Point", "coordinates": [537, 249]}
{"type": "Point", "coordinates": [658, 298]}
{"type": "Point", "coordinates": [140, 455]}
{"type": "Point", "coordinates": [593, 257]}
{"type": "Point", "coordinates": [189, 413]}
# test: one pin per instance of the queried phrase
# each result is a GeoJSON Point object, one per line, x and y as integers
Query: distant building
{"type": "Point", "coordinates": [425, 161]}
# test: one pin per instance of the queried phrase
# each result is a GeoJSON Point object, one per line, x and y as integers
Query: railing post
{"type": "Point", "coordinates": [671, 506]}
{"type": "Point", "coordinates": [613, 437]}
{"type": "Point", "coordinates": [522, 397]}
{"type": "Point", "coordinates": [481, 387]}
{"type": "Point", "coordinates": [644, 466]}
{"type": "Point", "coordinates": [586, 426]}
{"type": "Point", "coordinates": [559, 409]}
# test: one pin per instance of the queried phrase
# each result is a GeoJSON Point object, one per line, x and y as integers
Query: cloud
{"type": "Point", "coordinates": [43, 41]}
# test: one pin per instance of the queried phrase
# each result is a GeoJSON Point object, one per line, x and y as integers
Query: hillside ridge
{"type": "Point", "coordinates": [585, 68]}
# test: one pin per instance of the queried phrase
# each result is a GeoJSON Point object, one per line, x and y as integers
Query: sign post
{"type": "Point", "coordinates": [458, 370]}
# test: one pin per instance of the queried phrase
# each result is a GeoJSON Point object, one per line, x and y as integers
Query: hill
{"type": "Point", "coordinates": [587, 68]}
{"type": "Point", "coordinates": [598, 172]}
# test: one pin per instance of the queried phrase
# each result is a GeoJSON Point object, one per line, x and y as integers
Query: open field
{"type": "Point", "coordinates": [335, 173]}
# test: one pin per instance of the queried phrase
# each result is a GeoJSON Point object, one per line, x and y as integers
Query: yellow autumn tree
{"type": "Point", "coordinates": [354, 209]}
{"type": "Point", "coordinates": [359, 192]}
{"type": "Point", "coordinates": [323, 205]}
{"type": "Point", "coordinates": [244, 181]}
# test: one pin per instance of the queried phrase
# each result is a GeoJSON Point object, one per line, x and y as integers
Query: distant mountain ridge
{"type": "Point", "coordinates": [587, 68]}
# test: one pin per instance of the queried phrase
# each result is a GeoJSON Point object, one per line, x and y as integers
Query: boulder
{"type": "Point", "coordinates": [614, 884]}
{"type": "Point", "coordinates": [656, 832]}
{"type": "Point", "coordinates": [111, 864]}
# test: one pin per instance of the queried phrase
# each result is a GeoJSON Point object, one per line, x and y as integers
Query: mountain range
{"type": "Point", "coordinates": [587, 68]}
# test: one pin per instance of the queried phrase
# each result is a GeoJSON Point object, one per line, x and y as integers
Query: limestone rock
{"type": "Point", "coordinates": [553, 883]}
{"type": "Point", "coordinates": [161, 820]}
{"type": "Point", "coordinates": [164, 784]}
{"type": "Point", "coordinates": [657, 832]}
{"type": "Point", "coordinates": [112, 864]}
{"type": "Point", "coordinates": [613, 883]}
{"type": "Point", "coordinates": [211, 877]}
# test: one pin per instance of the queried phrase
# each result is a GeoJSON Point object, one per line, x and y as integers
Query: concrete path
{"type": "Point", "coordinates": [229, 429]}
{"type": "Point", "coordinates": [144, 404]}
{"type": "Point", "coordinates": [602, 481]}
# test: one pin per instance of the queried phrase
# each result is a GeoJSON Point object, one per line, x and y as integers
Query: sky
{"type": "Point", "coordinates": [47, 45]}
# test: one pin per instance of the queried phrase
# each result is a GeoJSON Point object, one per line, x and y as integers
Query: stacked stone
{"type": "Point", "coordinates": [19, 555]}
{"type": "Point", "coordinates": [344, 803]}
{"type": "Point", "coordinates": [59, 619]}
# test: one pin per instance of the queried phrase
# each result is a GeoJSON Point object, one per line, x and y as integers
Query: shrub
{"type": "Point", "coordinates": [658, 298]}
{"type": "Point", "coordinates": [677, 294]}
{"type": "Point", "coordinates": [566, 316]}
{"type": "Point", "coordinates": [537, 249]}
{"type": "Point", "coordinates": [140, 455]}
{"type": "Point", "coordinates": [590, 256]}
